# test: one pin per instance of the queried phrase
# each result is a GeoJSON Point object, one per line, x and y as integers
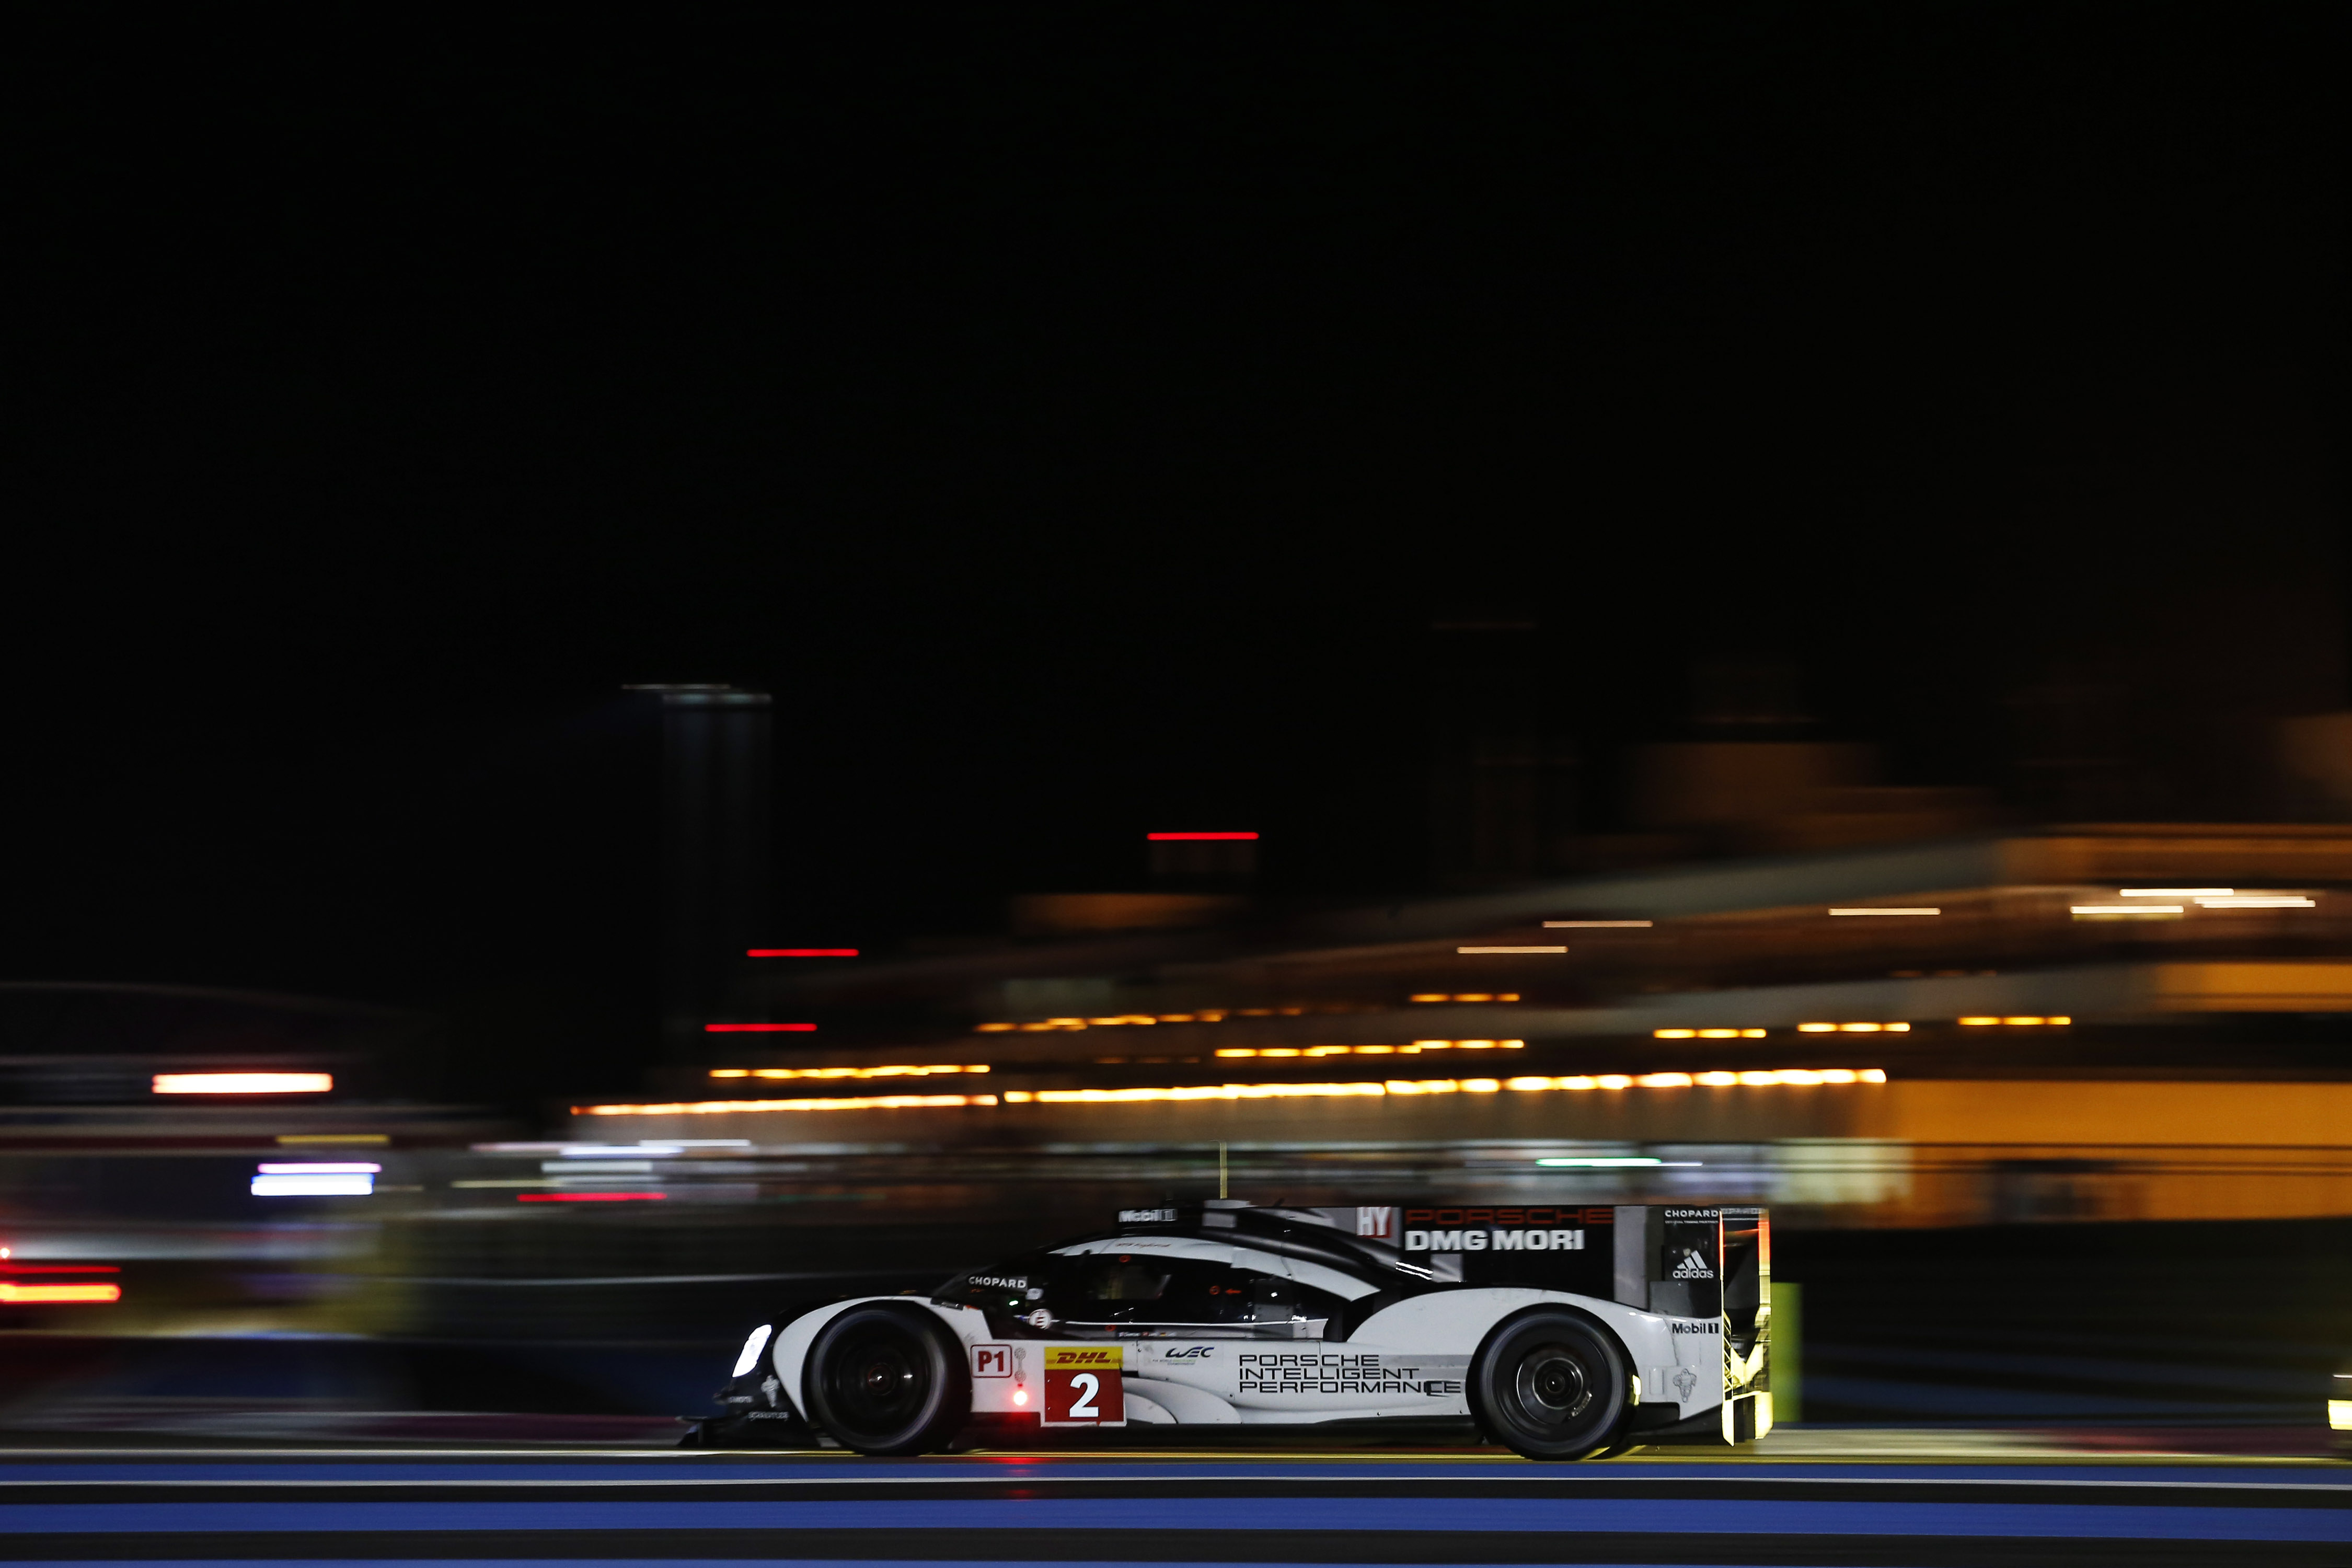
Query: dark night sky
{"type": "Point", "coordinates": [1074, 416]}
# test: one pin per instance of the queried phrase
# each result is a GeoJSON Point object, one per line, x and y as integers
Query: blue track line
{"type": "Point", "coordinates": [1460, 1515]}
{"type": "Point", "coordinates": [995, 1471]}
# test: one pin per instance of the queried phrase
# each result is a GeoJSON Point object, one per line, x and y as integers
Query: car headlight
{"type": "Point", "coordinates": [752, 1348]}
{"type": "Point", "coordinates": [2339, 1415]}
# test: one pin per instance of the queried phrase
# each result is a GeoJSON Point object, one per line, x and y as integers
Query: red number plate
{"type": "Point", "coordinates": [1082, 1387]}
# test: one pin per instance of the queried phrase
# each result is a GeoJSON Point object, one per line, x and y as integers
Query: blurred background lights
{"type": "Point", "coordinates": [244, 1082]}
{"type": "Point", "coordinates": [14, 1294]}
{"type": "Point", "coordinates": [338, 1179]}
{"type": "Point", "coordinates": [1612, 1163]}
{"type": "Point", "coordinates": [909, 1070]}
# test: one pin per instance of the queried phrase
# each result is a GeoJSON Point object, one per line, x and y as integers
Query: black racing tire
{"type": "Point", "coordinates": [1550, 1384]}
{"type": "Point", "coordinates": [887, 1379]}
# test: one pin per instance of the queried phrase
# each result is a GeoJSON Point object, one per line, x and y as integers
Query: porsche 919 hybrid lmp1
{"type": "Point", "coordinates": [1563, 1332]}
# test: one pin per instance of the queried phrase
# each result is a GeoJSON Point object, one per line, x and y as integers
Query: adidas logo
{"type": "Point", "coordinates": [1692, 1267]}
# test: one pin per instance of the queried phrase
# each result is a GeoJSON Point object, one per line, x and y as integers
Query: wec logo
{"type": "Point", "coordinates": [1190, 1352]}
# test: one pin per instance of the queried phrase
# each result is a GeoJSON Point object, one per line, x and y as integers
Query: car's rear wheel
{"type": "Point", "coordinates": [1551, 1385]}
{"type": "Point", "coordinates": [887, 1379]}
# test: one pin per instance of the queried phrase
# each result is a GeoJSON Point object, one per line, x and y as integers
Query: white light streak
{"type": "Point", "coordinates": [2253, 901]}
{"type": "Point", "coordinates": [243, 1083]}
{"type": "Point", "coordinates": [2176, 893]}
{"type": "Point", "coordinates": [1614, 1162]}
{"type": "Point", "coordinates": [316, 1187]}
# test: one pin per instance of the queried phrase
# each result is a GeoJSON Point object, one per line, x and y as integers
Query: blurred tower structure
{"type": "Point", "coordinates": [1501, 787]}
{"type": "Point", "coordinates": [716, 812]}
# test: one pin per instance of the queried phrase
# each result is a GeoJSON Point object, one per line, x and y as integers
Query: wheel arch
{"type": "Point", "coordinates": [788, 1350]}
{"type": "Point", "coordinates": [926, 1319]}
{"type": "Point", "coordinates": [1458, 1320]}
{"type": "Point", "coordinates": [1571, 1307]}
{"type": "Point", "coordinates": [1565, 1307]}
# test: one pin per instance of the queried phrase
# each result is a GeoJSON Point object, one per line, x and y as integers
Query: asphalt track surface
{"type": "Point", "coordinates": [389, 1506]}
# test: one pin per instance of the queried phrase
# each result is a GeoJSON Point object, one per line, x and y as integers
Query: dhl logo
{"type": "Point", "coordinates": [1071, 1355]}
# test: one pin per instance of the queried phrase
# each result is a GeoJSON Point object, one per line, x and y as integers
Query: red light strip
{"type": "Point", "coordinates": [800, 953]}
{"type": "Point", "coordinates": [758, 1029]}
{"type": "Point", "coordinates": [590, 1197]}
{"type": "Point", "coordinates": [1193, 837]}
{"type": "Point", "coordinates": [58, 1268]}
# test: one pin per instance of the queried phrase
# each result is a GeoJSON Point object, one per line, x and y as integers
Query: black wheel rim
{"type": "Point", "coordinates": [1553, 1384]}
{"type": "Point", "coordinates": [881, 1381]}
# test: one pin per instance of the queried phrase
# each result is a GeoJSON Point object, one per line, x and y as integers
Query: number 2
{"type": "Point", "coordinates": [1086, 1385]}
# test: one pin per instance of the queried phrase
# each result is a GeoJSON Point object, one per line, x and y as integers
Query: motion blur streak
{"type": "Point", "coordinates": [758, 1029]}
{"type": "Point", "coordinates": [901, 1071]}
{"type": "Point", "coordinates": [1198, 837]}
{"type": "Point", "coordinates": [1777, 1076]}
{"type": "Point", "coordinates": [590, 1197]}
{"type": "Point", "coordinates": [1372, 1051]}
{"type": "Point", "coordinates": [14, 1294]}
{"type": "Point", "coordinates": [244, 1082]}
{"type": "Point", "coordinates": [800, 953]}
{"type": "Point", "coordinates": [847, 1102]}
{"type": "Point", "coordinates": [1192, 1092]}
{"type": "Point", "coordinates": [345, 1184]}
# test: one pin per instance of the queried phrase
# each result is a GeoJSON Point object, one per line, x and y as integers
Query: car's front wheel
{"type": "Point", "coordinates": [887, 1379]}
{"type": "Point", "coordinates": [1551, 1385]}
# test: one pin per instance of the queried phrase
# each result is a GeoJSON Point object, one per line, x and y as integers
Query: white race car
{"type": "Point", "coordinates": [1563, 1332]}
